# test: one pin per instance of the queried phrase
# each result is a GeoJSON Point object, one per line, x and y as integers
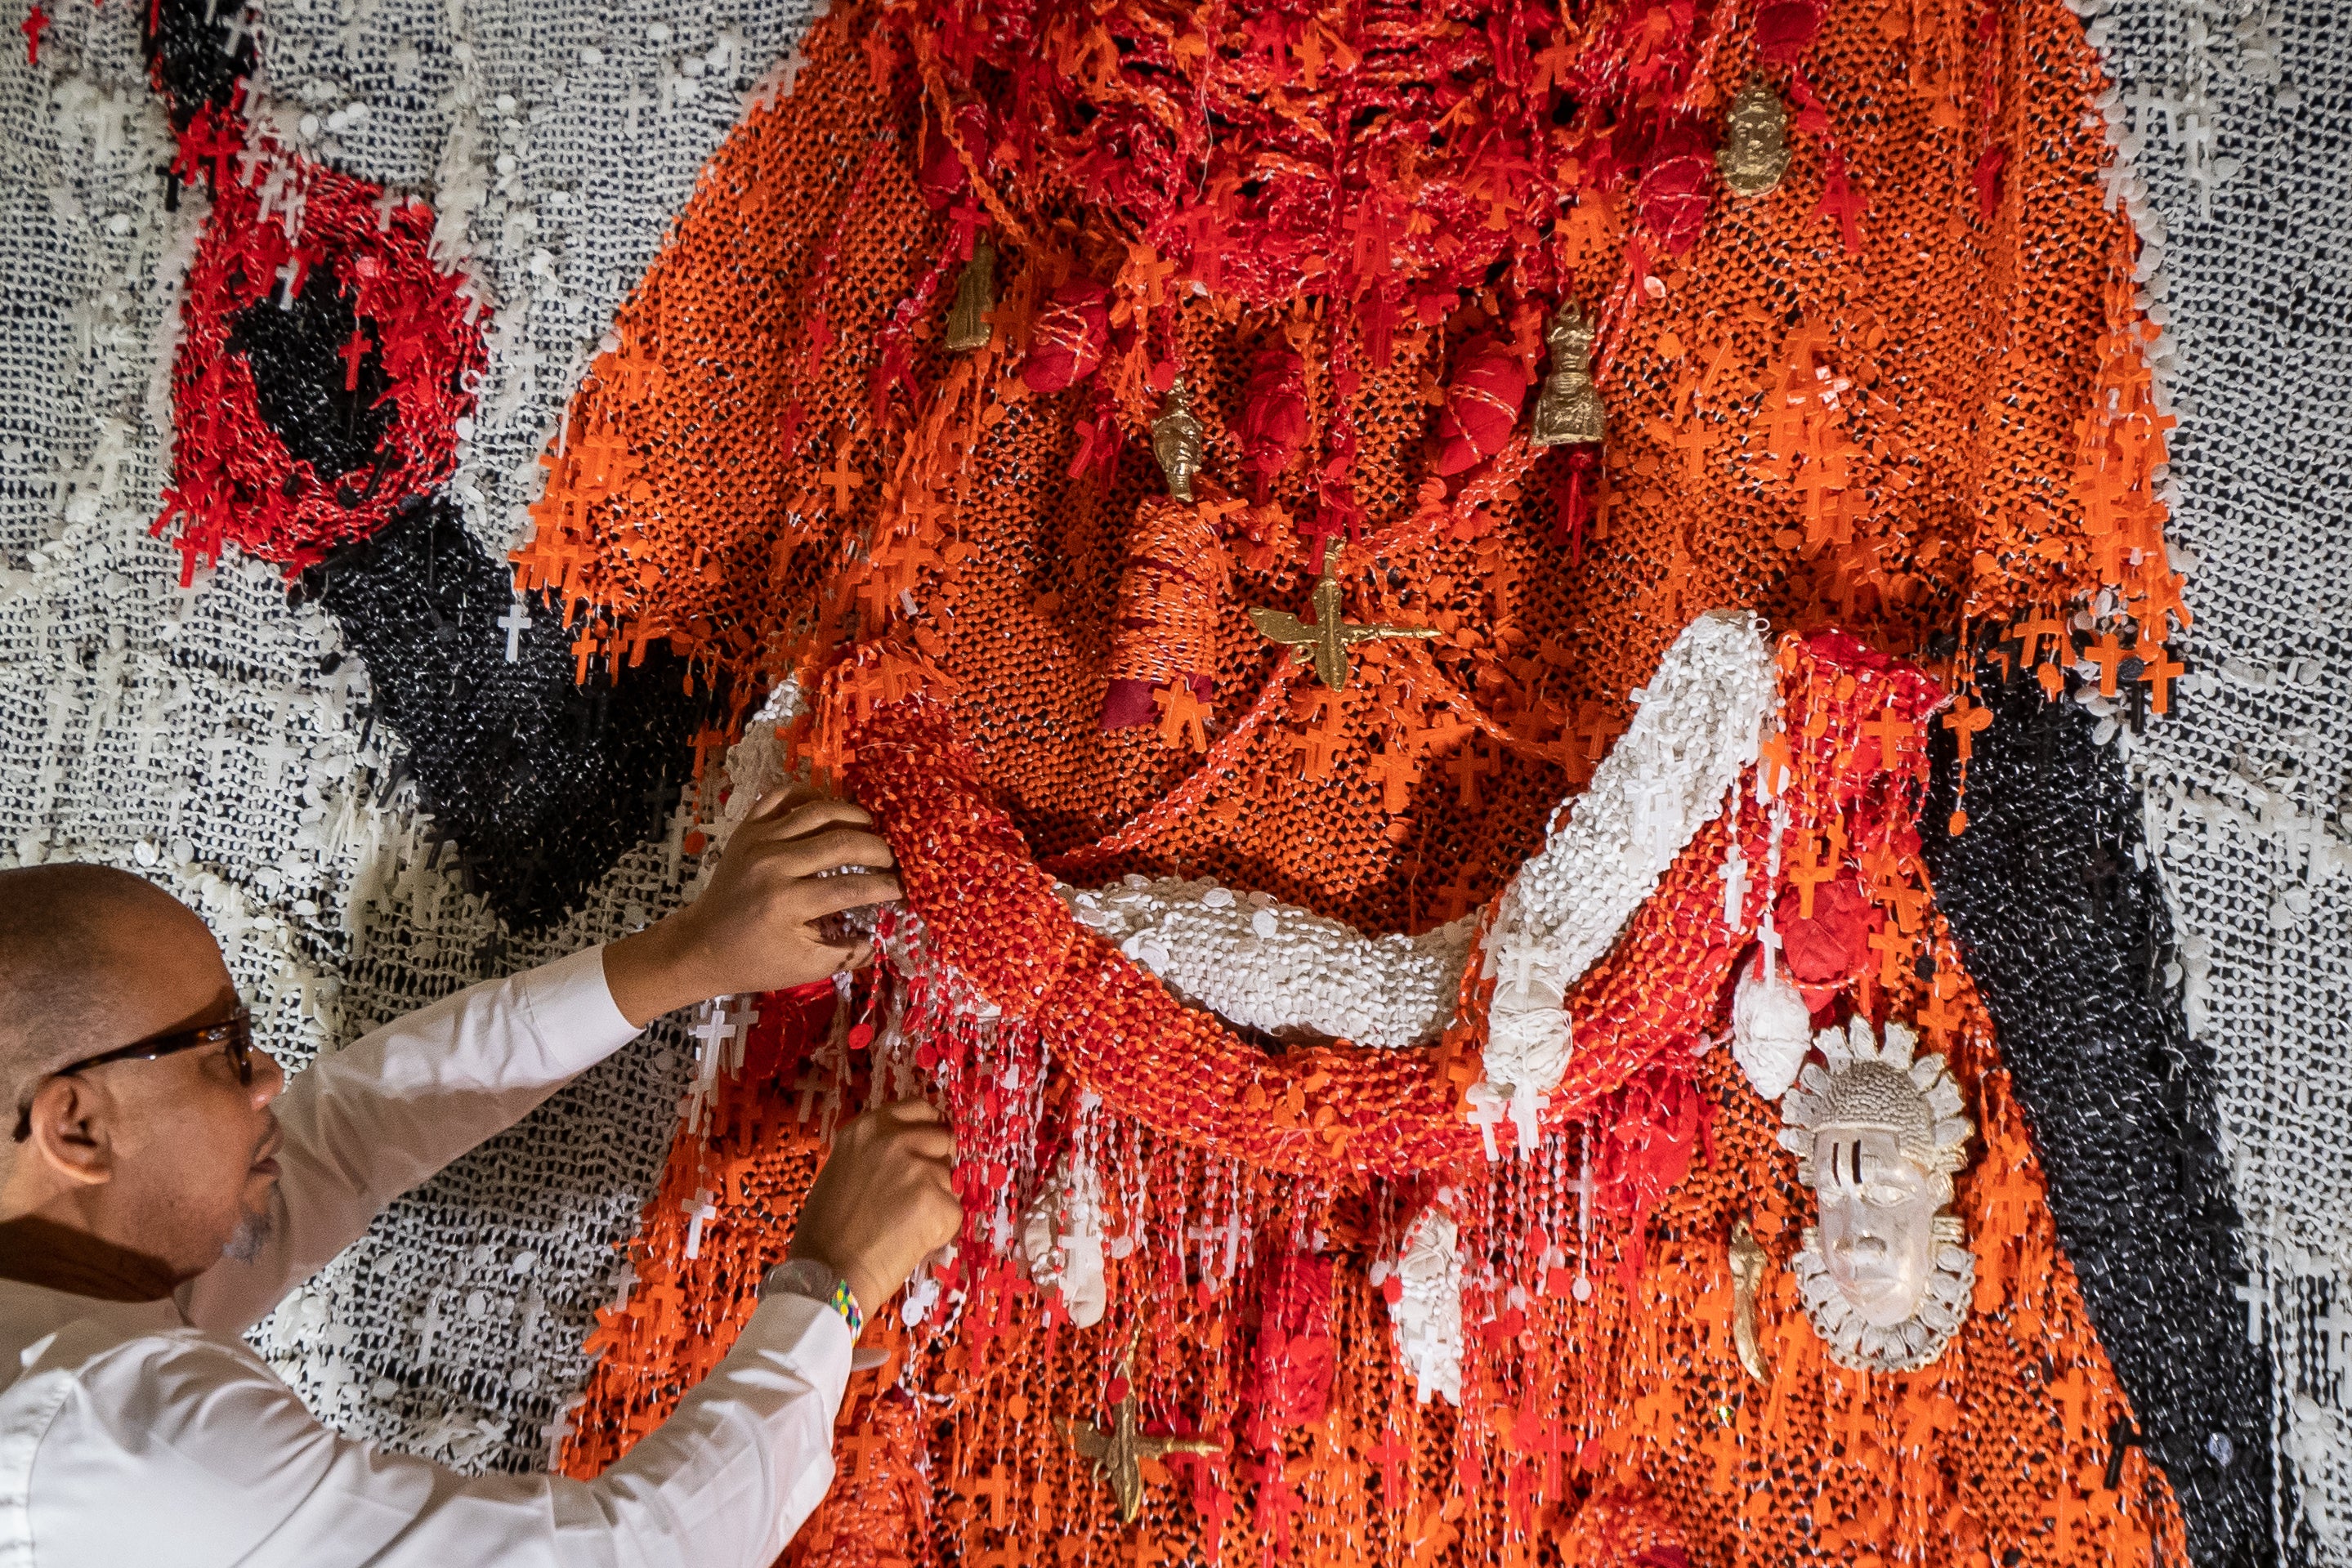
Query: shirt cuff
{"type": "Point", "coordinates": [571, 1009]}
{"type": "Point", "coordinates": [811, 1334]}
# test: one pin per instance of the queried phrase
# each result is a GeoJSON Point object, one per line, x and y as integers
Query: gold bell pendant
{"type": "Point", "coordinates": [975, 296]}
{"type": "Point", "coordinates": [1569, 412]}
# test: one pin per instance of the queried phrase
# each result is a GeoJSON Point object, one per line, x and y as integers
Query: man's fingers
{"type": "Point", "coordinates": [831, 851]}
{"type": "Point", "coordinates": [853, 955]}
{"type": "Point", "coordinates": [820, 896]}
{"type": "Point", "coordinates": [795, 811]}
{"type": "Point", "coordinates": [816, 816]}
{"type": "Point", "coordinates": [928, 1143]}
{"type": "Point", "coordinates": [783, 798]}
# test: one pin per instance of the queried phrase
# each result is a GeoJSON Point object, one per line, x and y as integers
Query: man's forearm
{"type": "Point", "coordinates": [366, 1124]}
{"type": "Point", "coordinates": [658, 970]}
{"type": "Point", "coordinates": [747, 1455]}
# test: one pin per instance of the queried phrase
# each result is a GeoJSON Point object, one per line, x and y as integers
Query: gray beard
{"type": "Point", "coordinates": [251, 1235]}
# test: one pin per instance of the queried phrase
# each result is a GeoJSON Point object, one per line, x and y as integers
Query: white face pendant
{"type": "Point", "coordinates": [1877, 1136]}
{"type": "Point", "coordinates": [1877, 1222]}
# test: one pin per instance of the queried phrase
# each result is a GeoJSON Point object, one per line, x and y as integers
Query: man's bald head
{"type": "Point", "coordinates": [90, 958]}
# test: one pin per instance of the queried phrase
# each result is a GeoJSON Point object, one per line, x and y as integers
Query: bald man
{"type": "Point", "coordinates": [161, 1194]}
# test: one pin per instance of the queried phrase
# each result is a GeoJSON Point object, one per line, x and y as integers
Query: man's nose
{"type": "Point", "coordinates": [268, 1078]}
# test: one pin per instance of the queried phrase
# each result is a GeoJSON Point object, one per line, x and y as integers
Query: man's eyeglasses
{"type": "Point", "coordinates": [233, 1033]}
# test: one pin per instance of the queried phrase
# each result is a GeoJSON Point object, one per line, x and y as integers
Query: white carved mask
{"type": "Point", "coordinates": [1877, 1221]}
{"type": "Point", "coordinates": [1878, 1133]}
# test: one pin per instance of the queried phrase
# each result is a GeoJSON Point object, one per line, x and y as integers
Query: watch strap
{"type": "Point", "coordinates": [815, 1281]}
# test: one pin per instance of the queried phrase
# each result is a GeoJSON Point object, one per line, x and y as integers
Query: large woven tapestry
{"type": "Point", "coordinates": [1609, 727]}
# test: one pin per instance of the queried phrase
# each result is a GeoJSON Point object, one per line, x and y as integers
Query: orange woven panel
{"type": "Point", "coordinates": [2002, 1444]}
{"type": "Point", "coordinates": [882, 418]}
{"type": "Point", "coordinates": [1949, 422]}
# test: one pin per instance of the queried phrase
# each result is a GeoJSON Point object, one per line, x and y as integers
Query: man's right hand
{"type": "Point", "coordinates": [883, 1202]}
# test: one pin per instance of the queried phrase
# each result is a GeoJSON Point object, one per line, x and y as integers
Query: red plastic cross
{"type": "Point", "coordinates": [353, 352]}
{"type": "Point", "coordinates": [35, 26]}
{"type": "Point", "coordinates": [1391, 1456]}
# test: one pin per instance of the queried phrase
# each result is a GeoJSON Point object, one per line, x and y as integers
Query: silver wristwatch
{"type": "Point", "coordinates": [802, 1277]}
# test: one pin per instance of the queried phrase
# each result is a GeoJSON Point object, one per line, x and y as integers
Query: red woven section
{"type": "Point", "coordinates": [1999, 1446]}
{"type": "Point", "coordinates": [277, 223]}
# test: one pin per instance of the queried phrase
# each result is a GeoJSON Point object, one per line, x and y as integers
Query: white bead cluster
{"type": "Point", "coordinates": [1772, 1031]}
{"type": "Point", "coordinates": [1271, 966]}
{"type": "Point", "coordinates": [1062, 1242]}
{"type": "Point", "coordinates": [1700, 723]}
{"type": "Point", "coordinates": [1427, 1308]}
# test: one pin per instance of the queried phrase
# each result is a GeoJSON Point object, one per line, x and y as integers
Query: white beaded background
{"type": "Point", "coordinates": [216, 741]}
{"type": "Point", "coordinates": [2236, 119]}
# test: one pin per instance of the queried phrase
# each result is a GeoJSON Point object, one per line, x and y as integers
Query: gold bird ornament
{"type": "Point", "coordinates": [1324, 642]}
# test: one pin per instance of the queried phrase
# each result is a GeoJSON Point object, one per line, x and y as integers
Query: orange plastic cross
{"type": "Point", "coordinates": [2108, 654]}
{"type": "Point", "coordinates": [1396, 771]}
{"type": "Point", "coordinates": [1967, 720]}
{"type": "Point", "coordinates": [1809, 874]}
{"type": "Point", "coordinates": [1316, 749]}
{"type": "Point", "coordinates": [2159, 673]}
{"type": "Point", "coordinates": [844, 477]}
{"type": "Point", "coordinates": [1890, 732]}
{"type": "Point", "coordinates": [1892, 950]}
{"type": "Point", "coordinates": [1183, 716]}
{"type": "Point", "coordinates": [994, 1489]}
{"type": "Point", "coordinates": [1468, 769]}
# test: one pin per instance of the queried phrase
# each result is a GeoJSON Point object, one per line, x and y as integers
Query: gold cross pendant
{"type": "Point", "coordinates": [1325, 641]}
{"type": "Point", "coordinates": [1119, 1453]}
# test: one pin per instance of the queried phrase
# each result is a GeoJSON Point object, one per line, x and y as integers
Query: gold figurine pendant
{"type": "Point", "coordinates": [1747, 1261]}
{"type": "Point", "coordinates": [1325, 641]}
{"type": "Point", "coordinates": [1178, 441]}
{"type": "Point", "coordinates": [1568, 410]}
{"type": "Point", "coordinates": [975, 296]}
{"type": "Point", "coordinates": [1755, 150]}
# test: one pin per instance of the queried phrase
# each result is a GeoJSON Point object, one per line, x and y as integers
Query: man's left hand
{"type": "Point", "coordinates": [755, 928]}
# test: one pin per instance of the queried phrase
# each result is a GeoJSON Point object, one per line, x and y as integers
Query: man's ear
{"type": "Point", "coordinates": [72, 1127]}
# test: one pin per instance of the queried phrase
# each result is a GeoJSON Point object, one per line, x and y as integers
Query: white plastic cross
{"type": "Point", "coordinates": [2251, 1293]}
{"type": "Point", "coordinates": [698, 1209]}
{"type": "Point", "coordinates": [1517, 963]}
{"type": "Point", "coordinates": [517, 622]}
{"type": "Point", "coordinates": [1487, 1110]}
{"type": "Point", "coordinates": [1527, 1112]}
{"type": "Point", "coordinates": [1230, 1233]}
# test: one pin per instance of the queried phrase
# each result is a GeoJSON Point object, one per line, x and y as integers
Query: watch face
{"type": "Point", "coordinates": [803, 1277]}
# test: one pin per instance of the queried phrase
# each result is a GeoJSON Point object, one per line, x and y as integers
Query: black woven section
{"type": "Point", "coordinates": [192, 59]}
{"type": "Point", "coordinates": [296, 355]}
{"type": "Point", "coordinates": [2068, 939]}
{"type": "Point", "coordinates": [542, 783]}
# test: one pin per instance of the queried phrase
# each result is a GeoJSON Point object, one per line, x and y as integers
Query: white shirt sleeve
{"type": "Point", "coordinates": [365, 1123]}
{"type": "Point", "coordinates": [181, 1447]}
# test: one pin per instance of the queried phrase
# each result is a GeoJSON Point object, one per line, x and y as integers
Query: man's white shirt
{"type": "Point", "coordinates": [153, 1433]}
